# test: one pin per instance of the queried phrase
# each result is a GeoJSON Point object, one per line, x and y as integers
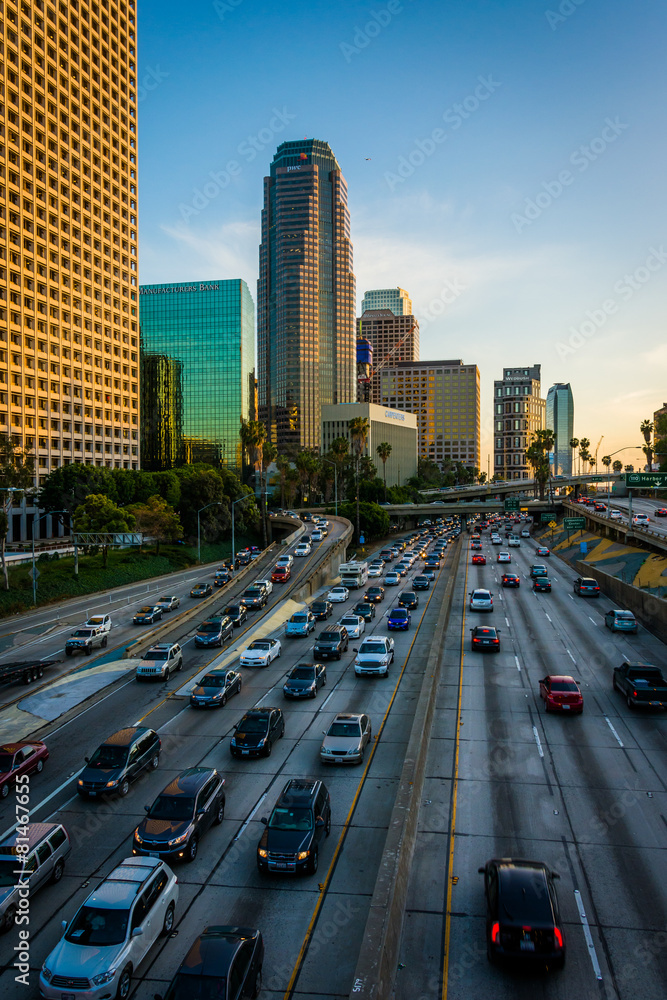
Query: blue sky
{"type": "Point", "coordinates": [505, 164]}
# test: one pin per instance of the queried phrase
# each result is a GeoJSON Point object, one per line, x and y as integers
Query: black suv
{"type": "Point", "coordinates": [408, 599]}
{"type": "Point", "coordinates": [118, 761]}
{"type": "Point", "coordinates": [214, 631]}
{"type": "Point", "coordinates": [256, 733]}
{"type": "Point", "coordinates": [364, 610]}
{"type": "Point", "coordinates": [220, 955]}
{"type": "Point", "coordinates": [321, 610]}
{"type": "Point", "coordinates": [237, 613]}
{"type": "Point", "coordinates": [181, 813]}
{"type": "Point", "coordinates": [300, 819]}
{"type": "Point", "coordinates": [333, 642]}
{"type": "Point", "coordinates": [254, 598]}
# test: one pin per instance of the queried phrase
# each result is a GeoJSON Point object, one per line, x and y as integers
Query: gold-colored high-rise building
{"type": "Point", "coordinates": [69, 340]}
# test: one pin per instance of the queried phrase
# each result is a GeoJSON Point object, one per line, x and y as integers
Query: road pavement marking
{"type": "Point", "coordinates": [571, 656]}
{"type": "Point", "coordinates": [587, 934]}
{"type": "Point", "coordinates": [618, 738]}
{"type": "Point", "coordinates": [518, 665]}
{"type": "Point", "coordinates": [257, 805]}
{"type": "Point", "coordinates": [571, 597]}
{"type": "Point", "coordinates": [547, 616]}
{"type": "Point", "coordinates": [330, 695]}
{"type": "Point", "coordinates": [537, 740]}
{"type": "Point", "coordinates": [593, 620]}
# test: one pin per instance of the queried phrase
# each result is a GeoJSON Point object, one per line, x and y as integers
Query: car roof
{"type": "Point", "coordinates": [13, 747]}
{"type": "Point", "coordinates": [189, 782]}
{"type": "Point", "coordinates": [31, 833]}
{"type": "Point", "coordinates": [522, 888]}
{"type": "Point", "coordinates": [162, 646]}
{"type": "Point", "coordinates": [213, 951]}
{"type": "Point", "coordinates": [124, 883]}
{"type": "Point", "coordinates": [348, 717]}
{"type": "Point", "coordinates": [124, 737]}
{"type": "Point", "coordinates": [300, 789]}
{"type": "Point", "coordinates": [561, 677]}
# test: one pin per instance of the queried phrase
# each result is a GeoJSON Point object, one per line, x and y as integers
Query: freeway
{"type": "Point", "coordinates": [585, 794]}
{"type": "Point", "coordinates": [222, 884]}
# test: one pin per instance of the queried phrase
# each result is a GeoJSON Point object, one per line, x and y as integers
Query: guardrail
{"type": "Point", "coordinates": [654, 538]}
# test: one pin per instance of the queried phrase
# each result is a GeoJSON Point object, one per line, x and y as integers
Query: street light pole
{"type": "Point", "coordinates": [335, 468]}
{"type": "Point", "coordinates": [628, 447]}
{"type": "Point", "coordinates": [234, 502]}
{"type": "Point", "coordinates": [215, 503]}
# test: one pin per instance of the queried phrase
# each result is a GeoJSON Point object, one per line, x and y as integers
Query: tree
{"type": "Point", "coordinates": [283, 465]}
{"type": "Point", "coordinates": [384, 450]}
{"type": "Point", "coordinates": [584, 445]}
{"type": "Point", "coordinates": [100, 514]}
{"type": "Point", "coordinates": [537, 455]}
{"type": "Point", "coordinates": [646, 429]}
{"type": "Point", "coordinates": [574, 444]}
{"type": "Point", "coordinates": [629, 468]}
{"type": "Point", "coordinates": [359, 430]}
{"type": "Point", "coordinates": [374, 520]}
{"type": "Point", "coordinates": [17, 472]}
{"type": "Point", "coordinates": [200, 487]}
{"type": "Point", "coordinates": [66, 488]}
{"type": "Point", "coordinates": [159, 520]}
{"type": "Point", "coordinates": [247, 446]}
{"type": "Point", "coordinates": [606, 461]}
{"type": "Point", "coordinates": [339, 452]}
{"type": "Point", "coordinates": [617, 466]}
{"type": "Point", "coordinates": [482, 478]}
{"type": "Point", "coordinates": [269, 454]}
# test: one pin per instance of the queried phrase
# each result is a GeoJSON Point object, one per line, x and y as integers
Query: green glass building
{"type": "Point", "coordinates": [197, 372]}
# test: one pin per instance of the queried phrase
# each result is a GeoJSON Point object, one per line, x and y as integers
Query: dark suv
{"type": "Point", "coordinates": [254, 598]}
{"type": "Point", "coordinates": [181, 814]}
{"type": "Point", "coordinates": [214, 631]}
{"type": "Point", "coordinates": [256, 733]}
{"type": "Point", "coordinates": [118, 761]}
{"type": "Point", "coordinates": [300, 819]}
{"type": "Point", "coordinates": [333, 642]}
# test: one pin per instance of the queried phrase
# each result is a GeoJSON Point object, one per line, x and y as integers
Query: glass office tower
{"type": "Point", "coordinates": [197, 360]}
{"type": "Point", "coordinates": [305, 294]}
{"type": "Point", "coordinates": [396, 300]}
{"type": "Point", "coordinates": [560, 419]}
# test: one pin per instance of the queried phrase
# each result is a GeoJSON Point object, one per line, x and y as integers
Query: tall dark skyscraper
{"type": "Point", "coordinates": [560, 419]}
{"type": "Point", "coordinates": [305, 294]}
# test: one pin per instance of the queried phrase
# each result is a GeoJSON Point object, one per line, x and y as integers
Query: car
{"type": "Point", "coordinates": [321, 610]}
{"type": "Point", "coordinates": [147, 615]}
{"type": "Point", "coordinates": [481, 600]}
{"type": "Point", "coordinates": [538, 569]}
{"type": "Point", "coordinates": [354, 625]}
{"type": "Point", "coordinates": [286, 560]}
{"type": "Point", "coordinates": [641, 519]}
{"type": "Point", "coordinates": [221, 954]}
{"type": "Point", "coordinates": [317, 535]}
{"type": "Point", "coordinates": [429, 573]}
{"type": "Point", "coordinates": [215, 687]}
{"type": "Point", "coordinates": [238, 614]}
{"type": "Point", "coordinates": [408, 599]}
{"type": "Point", "coordinates": [168, 603]}
{"type": "Point", "coordinates": [542, 550]}
{"type": "Point", "coordinates": [561, 693]}
{"type": "Point", "coordinates": [374, 656]}
{"type": "Point", "coordinates": [392, 579]}
{"type": "Point", "coordinates": [399, 620]}
{"type": "Point", "coordinates": [496, 539]}
{"type": "Point", "coordinates": [281, 574]}
{"type": "Point", "coordinates": [201, 590]}
{"type": "Point", "coordinates": [375, 595]}
{"type": "Point", "coordinates": [660, 512]}
{"type": "Point", "coordinates": [302, 549]}
{"type": "Point", "coordinates": [300, 623]}
{"type": "Point", "coordinates": [243, 557]}
{"type": "Point", "coordinates": [266, 584]}
{"type": "Point", "coordinates": [222, 576]}
{"type": "Point", "coordinates": [485, 638]}
{"type": "Point", "coordinates": [182, 813]}
{"type": "Point", "coordinates": [478, 559]}
{"type": "Point", "coordinates": [542, 585]}
{"type": "Point", "coordinates": [620, 621]}
{"type": "Point", "coordinates": [374, 572]}
{"type": "Point", "coordinates": [476, 545]}
{"type": "Point", "coordinates": [256, 733]}
{"type": "Point", "coordinates": [346, 739]}
{"type": "Point", "coordinates": [504, 557]}
{"type": "Point", "coordinates": [19, 759]}
{"type": "Point", "coordinates": [100, 946]}
{"type": "Point", "coordinates": [617, 515]}
{"type": "Point", "coordinates": [292, 835]}
{"type": "Point", "coordinates": [254, 598]}
{"type": "Point", "coordinates": [85, 640]}
{"type": "Point", "coordinates": [586, 586]}
{"type": "Point", "coordinates": [42, 849]}
{"type": "Point", "coordinates": [599, 506]}
{"type": "Point", "coordinates": [525, 533]}
{"type": "Point", "coordinates": [214, 631]}
{"type": "Point", "coordinates": [401, 569]}
{"type": "Point", "coordinates": [514, 541]}
{"type": "Point", "coordinates": [331, 643]}
{"type": "Point", "coordinates": [261, 653]}
{"type": "Point", "coordinates": [118, 761]}
{"type": "Point", "coordinates": [421, 582]}
{"type": "Point", "coordinates": [510, 580]}
{"type": "Point", "coordinates": [255, 552]}
{"type": "Point", "coordinates": [304, 680]}
{"type": "Point", "coordinates": [365, 610]}
{"type": "Point", "coordinates": [101, 622]}
{"type": "Point", "coordinates": [338, 595]}
{"type": "Point", "coordinates": [160, 661]}
{"type": "Point", "coordinates": [522, 916]}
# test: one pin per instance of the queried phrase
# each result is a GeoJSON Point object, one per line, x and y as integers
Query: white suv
{"type": "Point", "coordinates": [112, 932]}
{"type": "Point", "coordinates": [161, 661]}
{"type": "Point", "coordinates": [374, 655]}
{"type": "Point", "coordinates": [481, 600]}
{"type": "Point", "coordinates": [102, 622]}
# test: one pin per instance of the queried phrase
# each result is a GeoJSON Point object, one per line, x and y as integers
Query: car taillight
{"type": "Point", "coordinates": [495, 932]}
{"type": "Point", "coordinates": [634, 694]}
{"type": "Point", "coordinates": [497, 642]}
{"type": "Point", "coordinates": [558, 937]}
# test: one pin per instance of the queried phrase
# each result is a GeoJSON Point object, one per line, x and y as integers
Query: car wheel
{"type": "Point", "coordinates": [327, 828]}
{"type": "Point", "coordinates": [58, 870]}
{"type": "Point", "coordinates": [87, 652]}
{"type": "Point", "coordinates": [39, 766]}
{"type": "Point", "coordinates": [314, 862]}
{"type": "Point", "coordinates": [269, 748]}
{"type": "Point", "coordinates": [257, 988]}
{"type": "Point", "coordinates": [165, 674]}
{"type": "Point", "coordinates": [223, 701]}
{"type": "Point", "coordinates": [282, 731]}
{"type": "Point", "coordinates": [193, 847]}
{"type": "Point", "coordinates": [68, 652]}
{"type": "Point", "coordinates": [168, 924]}
{"type": "Point", "coordinates": [124, 788]}
{"type": "Point", "coordinates": [104, 642]}
{"type": "Point", "coordinates": [338, 655]}
{"type": "Point", "coordinates": [124, 983]}
{"type": "Point", "coordinates": [9, 919]}
{"type": "Point", "coordinates": [4, 791]}
{"type": "Point", "coordinates": [155, 761]}
{"type": "Point", "coordinates": [614, 685]}
{"type": "Point", "coordinates": [629, 702]}
{"type": "Point", "coordinates": [324, 681]}
{"type": "Point", "coordinates": [219, 813]}
{"type": "Point", "coordinates": [239, 686]}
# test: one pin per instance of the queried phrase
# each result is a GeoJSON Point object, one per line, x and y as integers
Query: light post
{"type": "Point", "coordinates": [628, 447]}
{"type": "Point", "coordinates": [32, 532]}
{"type": "Point", "coordinates": [335, 467]}
{"type": "Point", "coordinates": [215, 503]}
{"type": "Point", "coordinates": [234, 502]}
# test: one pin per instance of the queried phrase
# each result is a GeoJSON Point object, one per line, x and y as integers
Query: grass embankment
{"type": "Point", "coordinates": [57, 582]}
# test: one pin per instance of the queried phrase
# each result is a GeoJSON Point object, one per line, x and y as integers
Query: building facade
{"type": "Point", "coordinates": [560, 419]}
{"type": "Point", "coordinates": [393, 426]}
{"type": "Point", "coordinates": [306, 295]}
{"type": "Point", "coordinates": [396, 300]}
{"type": "Point", "coordinates": [197, 362]}
{"type": "Point", "coordinates": [518, 411]}
{"type": "Point", "coordinates": [392, 338]}
{"type": "Point", "coordinates": [69, 356]}
{"type": "Point", "coordinates": [445, 398]}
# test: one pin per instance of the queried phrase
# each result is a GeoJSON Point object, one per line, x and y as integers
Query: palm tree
{"type": "Point", "coordinates": [606, 461]}
{"type": "Point", "coordinates": [257, 440]}
{"type": "Point", "coordinates": [646, 428]}
{"type": "Point", "coordinates": [584, 445]}
{"type": "Point", "coordinates": [269, 454]}
{"type": "Point", "coordinates": [359, 429]}
{"type": "Point", "coordinates": [538, 456]}
{"type": "Point", "coordinates": [617, 466]}
{"type": "Point", "coordinates": [302, 464]}
{"type": "Point", "coordinates": [384, 451]}
{"type": "Point", "coordinates": [246, 435]}
{"type": "Point", "coordinates": [339, 452]}
{"type": "Point", "coordinates": [574, 444]}
{"type": "Point", "coordinates": [283, 464]}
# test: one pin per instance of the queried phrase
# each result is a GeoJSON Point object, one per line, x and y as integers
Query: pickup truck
{"type": "Point", "coordinates": [642, 684]}
{"type": "Point", "coordinates": [85, 640]}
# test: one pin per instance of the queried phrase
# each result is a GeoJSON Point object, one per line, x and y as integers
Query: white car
{"type": "Point", "coordinates": [374, 571]}
{"type": "Point", "coordinates": [616, 515]}
{"type": "Point", "coordinates": [481, 600]}
{"type": "Point", "coordinates": [504, 557]}
{"type": "Point", "coordinates": [374, 655]}
{"type": "Point", "coordinates": [285, 560]}
{"type": "Point", "coordinates": [303, 549]}
{"type": "Point", "coordinates": [392, 579]}
{"type": "Point", "coordinates": [338, 594]}
{"type": "Point", "coordinates": [260, 653]}
{"type": "Point", "coordinates": [102, 622]}
{"type": "Point", "coordinates": [268, 586]}
{"type": "Point", "coordinates": [496, 540]}
{"type": "Point", "coordinates": [354, 624]}
{"type": "Point", "coordinates": [317, 535]}
{"type": "Point", "coordinates": [641, 519]}
{"type": "Point", "coordinates": [514, 541]}
{"type": "Point", "coordinates": [525, 533]}
{"type": "Point", "coordinates": [101, 947]}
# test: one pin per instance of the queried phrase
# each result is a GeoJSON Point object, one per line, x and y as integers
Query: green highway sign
{"type": "Point", "coordinates": [511, 503]}
{"type": "Point", "coordinates": [546, 516]}
{"type": "Point", "coordinates": [656, 480]}
{"type": "Point", "coordinates": [574, 523]}
{"type": "Point", "coordinates": [597, 479]}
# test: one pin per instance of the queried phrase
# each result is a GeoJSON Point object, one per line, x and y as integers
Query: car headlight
{"type": "Point", "coordinates": [262, 853]}
{"type": "Point", "coordinates": [47, 974]}
{"type": "Point", "coordinates": [353, 751]}
{"type": "Point", "coordinates": [104, 977]}
{"type": "Point", "coordinates": [178, 840]}
{"type": "Point", "coordinates": [137, 838]}
{"type": "Point", "coordinates": [302, 855]}
{"type": "Point", "coordinates": [262, 741]}
{"type": "Point", "coordinates": [233, 741]}
{"type": "Point", "coordinates": [215, 697]}
{"type": "Point", "coordinates": [80, 781]}
{"type": "Point", "coordinates": [112, 784]}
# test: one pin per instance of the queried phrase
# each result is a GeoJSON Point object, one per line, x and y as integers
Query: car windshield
{"type": "Point", "coordinates": [290, 818]}
{"type": "Point", "coordinates": [172, 807]}
{"type": "Point", "coordinates": [96, 620]}
{"type": "Point", "coordinates": [209, 627]}
{"type": "Point", "coordinates": [625, 616]}
{"type": "Point", "coordinates": [108, 756]}
{"type": "Point", "coordinates": [156, 654]}
{"type": "Point", "coordinates": [254, 724]}
{"type": "Point", "coordinates": [233, 609]}
{"type": "Point", "coordinates": [399, 613]}
{"type": "Point", "coordinates": [319, 606]}
{"type": "Point", "coordinates": [299, 618]}
{"type": "Point", "coordinates": [164, 600]}
{"type": "Point", "coordinates": [212, 681]}
{"type": "Point", "coordinates": [564, 686]}
{"type": "Point", "coordinates": [144, 611]}
{"type": "Point", "coordinates": [190, 987]}
{"type": "Point", "coordinates": [408, 597]}
{"type": "Point", "coordinates": [363, 609]}
{"type": "Point", "coordinates": [344, 729]}
{"type": "Point", "coordinates": [352, 622]}
{"type": "Point", "coordinates": [372, 647]}
{"type": "Point", "coordinates": [6, 761]}
{"type": "Point", "coordinates": [489, 631]}
{"type": "Point", "coordinates": [82, 633]}
{"type": "Point", "coordinates": [480, 595]}
{"type": "Point", "coordinates": [260, 645]}
{"type": "Point", "coordinates": [328, 637]}
{"type": "Point", "coordinates": [96, 926]}
{"type": "Point", "coordinates": [302, 674]}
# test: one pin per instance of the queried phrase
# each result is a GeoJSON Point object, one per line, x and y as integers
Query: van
{"type": "Point", "coordinates": [43, 848]}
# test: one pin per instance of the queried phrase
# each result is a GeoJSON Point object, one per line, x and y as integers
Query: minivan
{"type": "Point", "coordinates": [37, 855]}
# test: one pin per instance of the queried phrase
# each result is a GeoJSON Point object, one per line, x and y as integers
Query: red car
{"type": "Point", "coordinates": [511, 580]}
{"type": "Point", "coordinates": [20, 758]}
{"type": "Point", "coordinates": [281, 574]}
{"type": "Point", "coordinates": [561, 693]}
{"type": "Point", "coordinates": [479, 559]}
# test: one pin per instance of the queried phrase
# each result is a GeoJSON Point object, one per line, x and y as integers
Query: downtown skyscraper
{"type": "Point", "coordinates": [305, 295]}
